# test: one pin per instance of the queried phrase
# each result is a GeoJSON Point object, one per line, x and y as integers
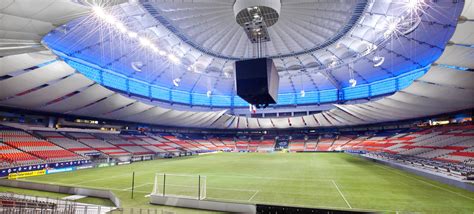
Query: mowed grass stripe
{"type": "Point", "coordinates": [283, 178]}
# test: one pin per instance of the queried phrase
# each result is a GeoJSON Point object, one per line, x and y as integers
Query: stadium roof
{"type": "Point", "coordinates": [73, 58]}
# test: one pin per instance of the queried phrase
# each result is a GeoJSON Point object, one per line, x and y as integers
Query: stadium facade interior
{"type": "Point", "coordinates": [133, 106]}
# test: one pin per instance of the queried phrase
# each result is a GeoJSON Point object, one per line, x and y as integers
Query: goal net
{"type": "Point", "coordinates": [180, 185]}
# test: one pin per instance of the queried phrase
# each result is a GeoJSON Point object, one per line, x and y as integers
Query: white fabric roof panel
{"type": "Point", "coordinates": [89, 95]}
{"type": "Point", "coordinates": [458, 56]}
{"type": "Point", "coordinates": [147, 114]}
{"type": "Point", "coordinates": [175, 118]}
{"type": "Point", "coordinates": [35, 78]}
{"type": "Point", "coordinates": [132, 109]}
{"type": "Point", "coordinates": [221, 122]}
{"type": "Point", "coordinates": [265, 123]}
{"type": "Point", "coordinates": [233, 124]}
{"type": "Point", "coordinates": [391, 110]}
{"type": "Point", "coordinates": [253, 123]}
{"type": "Point", "coordinates": [403, 102]}
{"type": "Point", "coordinates": [104, 106]}
{"type": "Point", "coordinates": [446, 93]}
{"type": "Point", "coordinates": [297, 122]}
{"type": "Point", "coordinates": [201, 118]}
{"type": "Point", "coordinates": [19, 24]}
{"type": "Point", "coordinates": [211, 119]}
{"type": "Point", "coordinates": [362, 112]}
{"type": "Point", "coordinates": [10, 64]}
{"type": "Point", "coordinates": [468, 10]}
{"type": "Point", "coordinates": [345, 117]}
{"type": "Point", "coordinates": [310, 121]}
{"type": "Point", "coordinates": [464, 33]}
{"type": "Point", "coordinates": [321, 120]}
{"type": "Point", "coordinates": [51, 92]}
{"type": "Point", "coordinates": [281, 123]}
{"type": "Point", "coordinates": [457, 78]}
{"type": "Point", "coordinates": [388, 110]}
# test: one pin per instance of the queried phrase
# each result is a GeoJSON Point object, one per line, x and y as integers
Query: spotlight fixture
{"type": "Point", "coordinates": [302, 93]}
{"type": "Point", "coordinates": [137, 66]}
{"type": "Point", "coordinates": [333, 63]}
{"type": "Point", "coordinates": [413, 4]}
{"type": "Point", "coordinates": [209, 93]}
{"type": "Point", "coordinates": [162, 53]}
{"type": "Point", "coordinates": [176, 82]}
{"type": "Point", "coordinates": [132, 34]}
{"type": "Point", "coordinates": [378, 60]}
{"type": "Point", "coordinates": [353, 82]}
{"type": "Point", "coordinates": [392, 27]}
{"type": "Point", "coordinates": [173, 58]}
{"type": "Point", "coordinates": [110, 19]}
{"type": "Point", "coordinates": [121, 27]}
{"type": "Point", "coordinates": [154, 48]}
{"type": "Point", "coordinates": [98, 11]}
{"type": "Point", "coordinates": [370, 47]}
{"type": "Point", "coordinates": [144, 41]}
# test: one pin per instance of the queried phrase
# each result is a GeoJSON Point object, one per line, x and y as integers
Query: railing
{"type": "Point", "coordinates": [16, 203]}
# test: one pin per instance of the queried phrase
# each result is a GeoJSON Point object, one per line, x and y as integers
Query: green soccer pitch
{"type": "Point", "coordinates": [320, 180]}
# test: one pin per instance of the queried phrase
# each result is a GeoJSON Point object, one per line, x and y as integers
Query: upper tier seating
{"type": "Point", "coordinates": [98, 144]}
{"type": "Point", "coordinates": [67, 143]}
{"type": "Point", "coordinates": [125, 142]}
{"type": "Point", "coordinates": [149, 144]}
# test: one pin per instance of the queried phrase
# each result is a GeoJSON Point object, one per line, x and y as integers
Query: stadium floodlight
{"type": "Point", "coordinates": [99, 11]}
{"type": "Point", "coordinates": [378, 60]}
{"type": "Point", "coordinates": [180, 185]}
{"type": "Point", "coordinates": [121, 27]}
{"type": "Point", "coordinates": [353, 82]}
{"type": "Point", "coordinates": [302, 93]}
{"type": "Point", "coordinates": [176, 82]}
{"type": "Point", "coordinates": [137, 66]}
{"type": "Point", "coordinates": [154, 48]}
{"type": "Point", "coordinates": [391, 27]}
{"type": "Point", "coordinates": [110, 19]}
{"type": "Point", "coordinates": [162, 53]}
{"type": "Point", "coordinates": [173, 58]}
{"type": "Point", "coordinates": [144, 42]}
{"type": "Point", "coordinates": [132, 34]}
{"type": "Point", "coordinates": [209, 93]}
{"type": "Point", "coordinates": [413, 4]}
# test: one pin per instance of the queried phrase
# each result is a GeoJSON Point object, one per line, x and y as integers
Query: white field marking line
{"type": "Point", "coordinates": [98, 179]}
{"type": "Point", "coordinates": [427, 183]}
{"type": "Point", "coordinates": [141, 185]}
{"type": "Point", "coordinates": [341, 194]}
{"type": "Point", "coordinates": [256, 192]}
{"type": "Point", "coordinates": [268, 178]}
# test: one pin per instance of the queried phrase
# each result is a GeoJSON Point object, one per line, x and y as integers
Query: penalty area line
{"type": "Point", "coordinates": [253, 196]}
{"type": "Point", "coordinates": [341, 194]}
{"type": "Point", "coordinates": [141, 185]}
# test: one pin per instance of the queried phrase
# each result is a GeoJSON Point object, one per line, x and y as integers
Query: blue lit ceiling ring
{"type": "Point", "coordinates": [127, 85]}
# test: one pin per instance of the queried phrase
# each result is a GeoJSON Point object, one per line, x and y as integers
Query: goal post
{"type": "Point", "coordinates": [180, 185]}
